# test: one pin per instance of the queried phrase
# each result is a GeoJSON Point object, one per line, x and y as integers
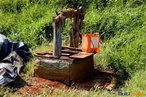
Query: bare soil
{"type": "Point", "coordinates": [104, 79]}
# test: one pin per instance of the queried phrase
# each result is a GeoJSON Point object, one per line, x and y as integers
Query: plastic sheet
{"type": "Point", "coordinates": [13, 56]}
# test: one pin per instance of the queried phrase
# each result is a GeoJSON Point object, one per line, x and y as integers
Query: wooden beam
{"type": "Point", "coordinates": [70, 51]}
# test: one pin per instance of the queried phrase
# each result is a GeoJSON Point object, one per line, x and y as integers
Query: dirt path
{"type": "Point", "coordinates": [101, 79]}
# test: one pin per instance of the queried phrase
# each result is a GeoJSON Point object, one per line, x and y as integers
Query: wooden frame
{"type": "Point", "coordinates": [76, 17]}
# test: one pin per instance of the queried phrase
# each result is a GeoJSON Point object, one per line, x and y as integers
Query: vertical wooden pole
{"type": "Point", "coordinates": [71, 35]}
{"type": "Point", "coordinates": [57, 41]}
{"type": "Point", "coordinates": [74, 33]}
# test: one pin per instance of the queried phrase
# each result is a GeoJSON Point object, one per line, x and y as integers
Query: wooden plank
{"type": "Point", "coordinates": [81, 55]}
{"type": "Point", "coordinates": [44, 56]}
{"type": "Point", "coordinates": [50, 53]}
{"type": "Point", "coordinates": [71, 48]}
{"type": "Point", "coordinates": [70, 51]}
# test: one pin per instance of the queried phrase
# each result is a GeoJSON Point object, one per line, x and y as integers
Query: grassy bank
{"type": "Point", "coordinates": [123, 46]}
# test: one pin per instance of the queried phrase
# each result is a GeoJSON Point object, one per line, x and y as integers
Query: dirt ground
{"type": "Point", "coordinates": [104, 79]}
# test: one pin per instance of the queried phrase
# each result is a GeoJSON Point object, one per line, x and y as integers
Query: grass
{"type": "Point", "coordinates": [123, 47]}
{"type": "Point", "coordinates": [134, 85]}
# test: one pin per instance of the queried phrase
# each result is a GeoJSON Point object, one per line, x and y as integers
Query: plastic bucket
{"type": "Point", "coordinates": [90, 43]}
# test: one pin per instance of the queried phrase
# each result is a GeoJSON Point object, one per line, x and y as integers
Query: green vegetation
{"type": "Point", "coordinates": [123, 44]}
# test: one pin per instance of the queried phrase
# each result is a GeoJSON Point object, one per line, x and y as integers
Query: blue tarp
{"type": "Point", "coordinates": [13, 56]}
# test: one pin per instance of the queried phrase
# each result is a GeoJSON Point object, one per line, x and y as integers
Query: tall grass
{"type": "Point", "coordinates": [25, 20]}
{"type": "Point", "coordinates": [123, 47]}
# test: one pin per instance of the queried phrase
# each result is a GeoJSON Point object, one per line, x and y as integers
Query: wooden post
{"type": "Point", "coordinates": [58, 23]}
{"type": "Point", "coordinates": [76, 27]}
{"type": "Point", "coordinates": [57, 41]}
{"type": "Point", "coordinates": [74, 33]}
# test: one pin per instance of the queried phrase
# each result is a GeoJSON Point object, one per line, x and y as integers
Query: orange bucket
{"type": "Point", "coordinates": [90, 43]}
